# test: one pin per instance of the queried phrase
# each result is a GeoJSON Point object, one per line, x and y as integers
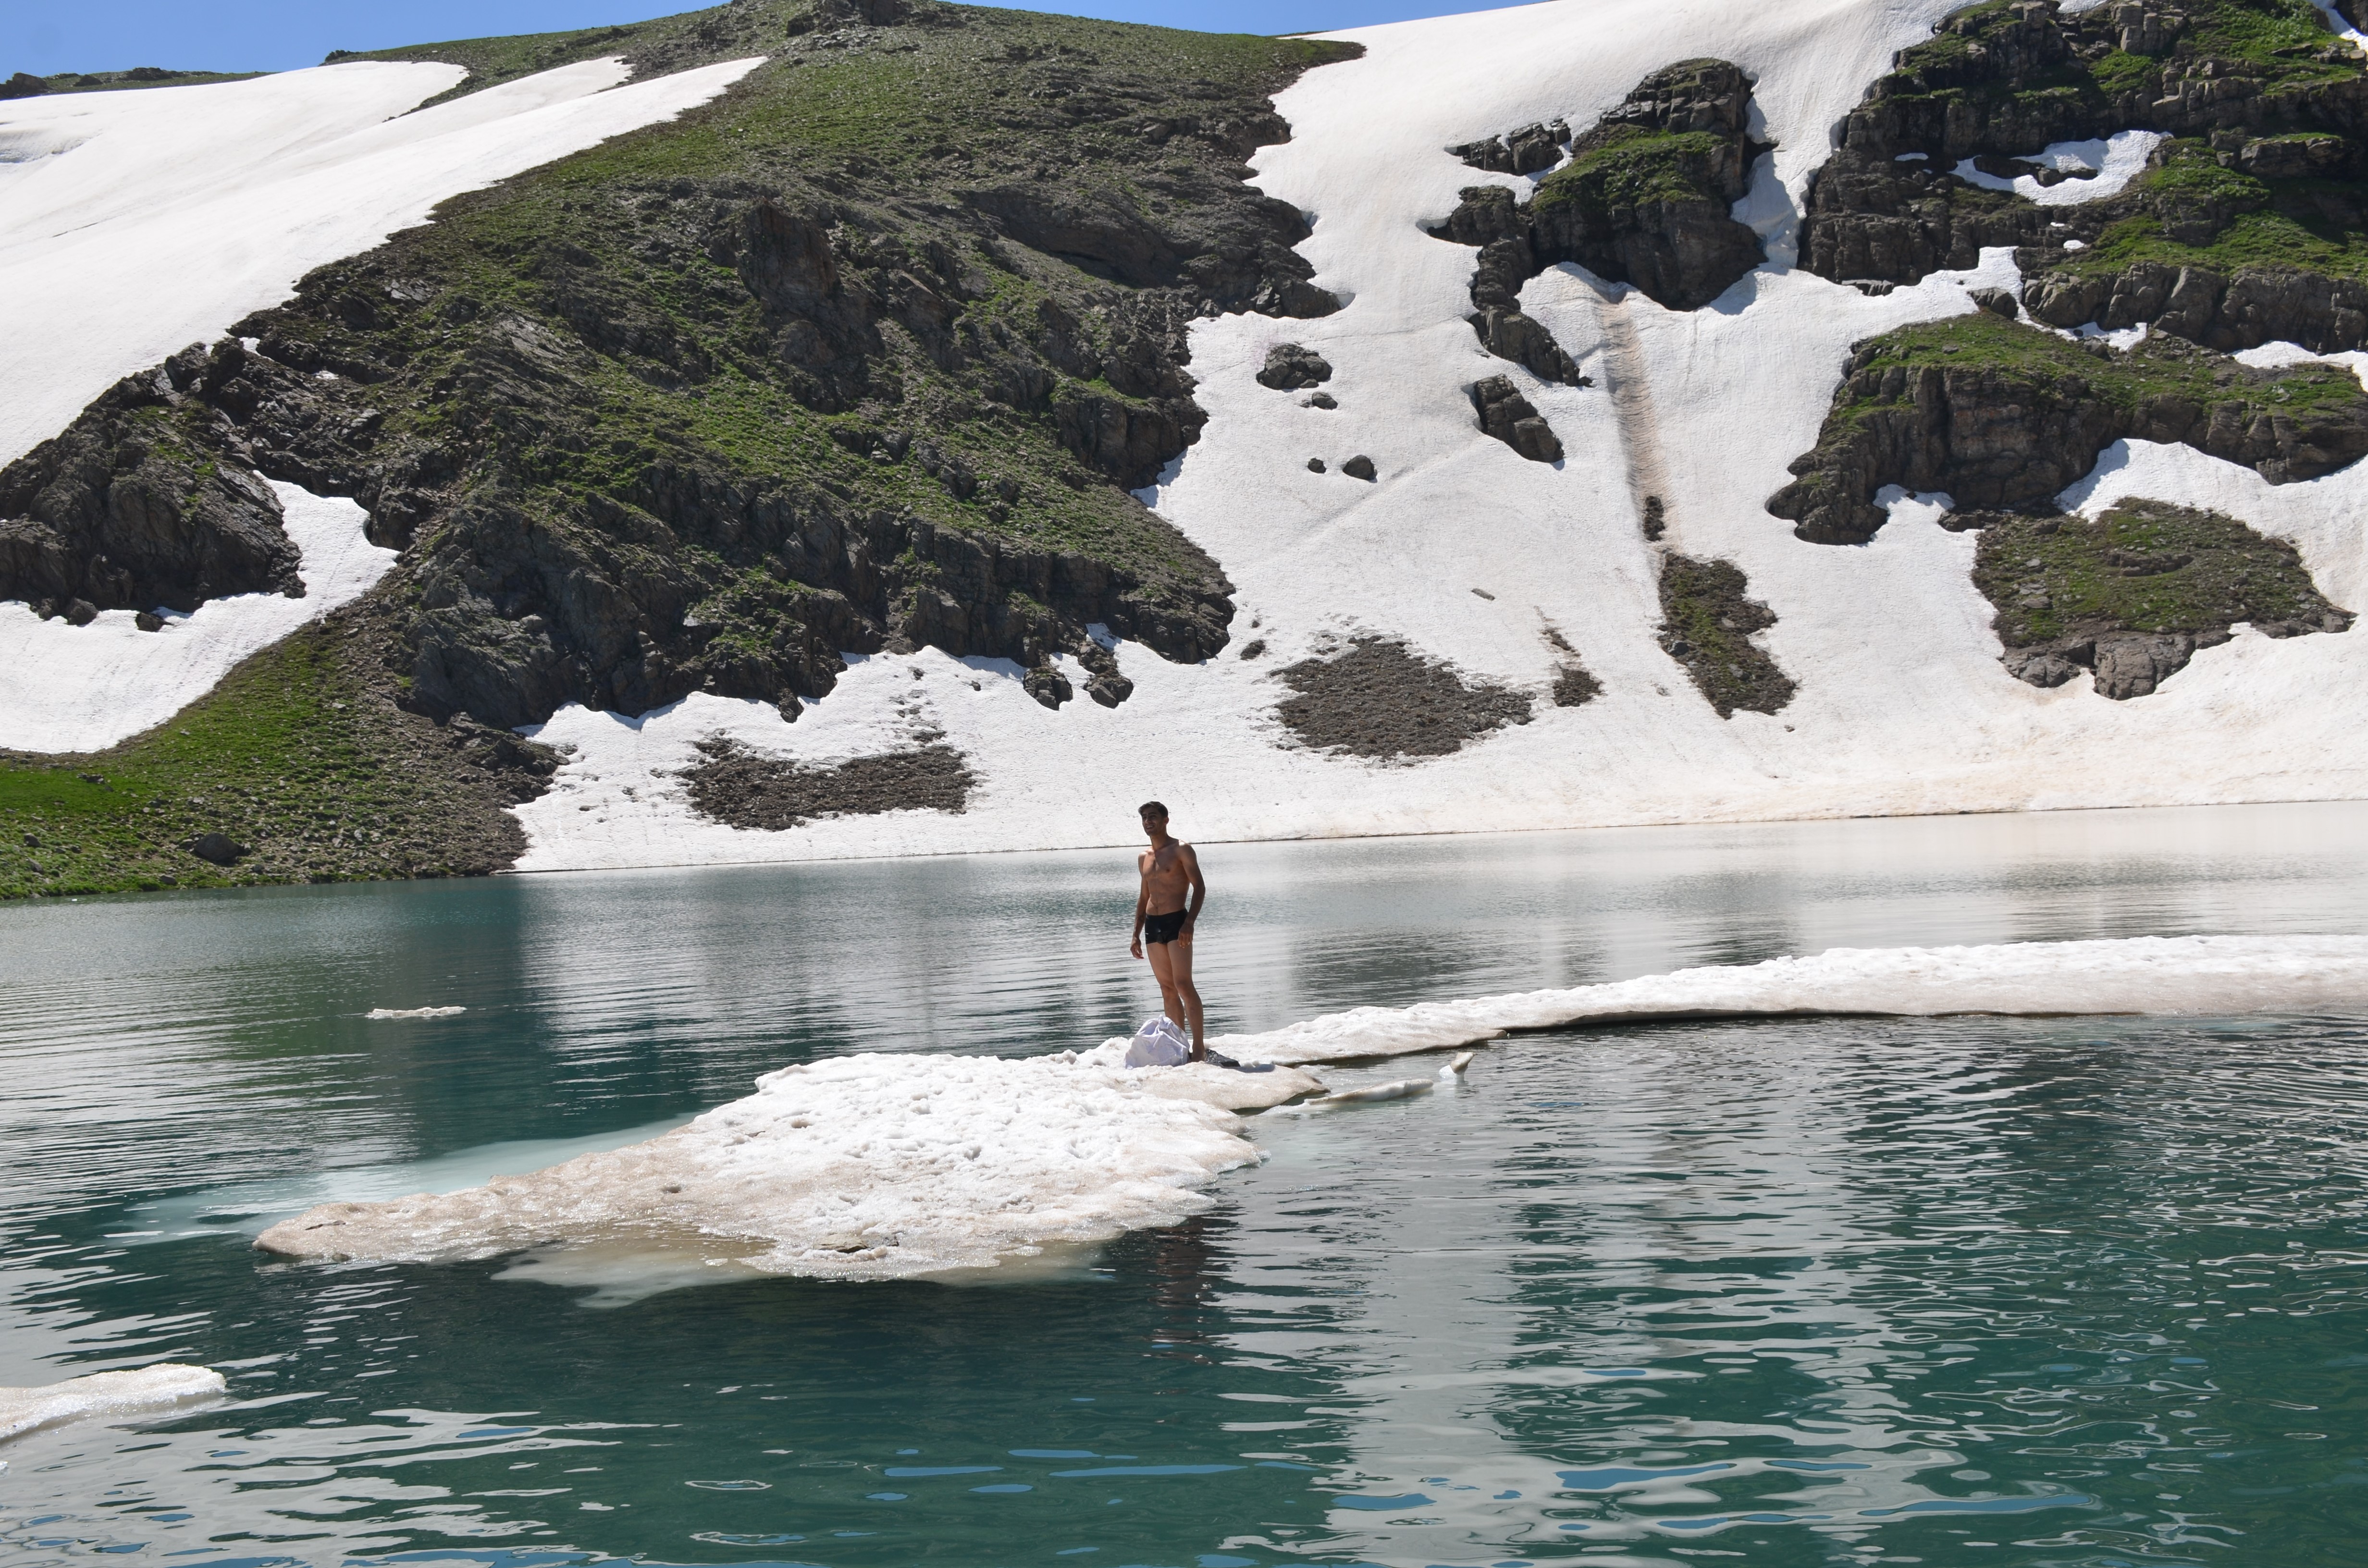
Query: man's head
{"type": "Point", "coordinates": [1155, 818]}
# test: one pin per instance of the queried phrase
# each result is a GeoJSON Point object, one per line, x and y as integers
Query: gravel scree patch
{"type": "Point", "coordinates": [1381, 700]}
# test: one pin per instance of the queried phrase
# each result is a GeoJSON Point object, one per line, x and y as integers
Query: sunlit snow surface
{"type": "Point", "coordinates": [133, 223]}
{"type": "Point", "coordinates": [1902, 705]}
{"type": "Point", "coordinates": [887, 1165]}
{"type": "Point", "coordinates": [67, 688]}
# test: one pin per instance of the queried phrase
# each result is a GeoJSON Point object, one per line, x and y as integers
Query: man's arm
{"type": "Point", "coordinates": [1142, 901]}
{"type": "Point", "coordinates": [1200, 888]}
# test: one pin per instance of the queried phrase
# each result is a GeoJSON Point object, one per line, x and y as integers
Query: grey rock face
{"type": "Point", "coordinates": [2134, 663]}
{"type": "Point", "coordinates": [1523, 152]}
{"type": "Point", "coordinates": [1514, 420]}
{"type": "Point", "coordinates": [2254, 306]}
{"type": "Point", "coordinates": [1289, 367]}
{"type": "Point", "coordinates": [1998, 302]}
{"type": "Point", "coordinates": [122, 511]}
{"type": "Point", "coordinates": [1509, 334]}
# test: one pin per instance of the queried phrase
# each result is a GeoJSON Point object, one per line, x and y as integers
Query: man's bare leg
{"type": "Point", "coordinates": [1171, 965]}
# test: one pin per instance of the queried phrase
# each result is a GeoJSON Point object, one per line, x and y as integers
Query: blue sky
{"type": "Point", "coordinates": [49, 36]}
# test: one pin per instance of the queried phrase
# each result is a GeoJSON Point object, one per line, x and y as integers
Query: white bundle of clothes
{"type": "Point", "coordinates": [1160, 1042]}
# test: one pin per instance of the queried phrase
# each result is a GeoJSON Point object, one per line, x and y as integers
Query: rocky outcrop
{"type": "Point", "coordinates": [122, 512]}
{"type": "Point", "coordinates": [1645, 198]}
{"type": "Point", "coordinates": [2256, 305]}
{"type": "Point", "coordinates": [1509, 334]}
{"type": "Point", "coordinates": [1528, 151]}
{"type": "Point", "coordinates": [2002, 416]}
{"type": "Point", "coordinates": [2134, 591]}
{"type": "Point", "coordinates": [1289, 367]}
{"type": "Point", "coordinates": [2273, 94]}
{"type": "Point", "coordinates": [1514, 420]}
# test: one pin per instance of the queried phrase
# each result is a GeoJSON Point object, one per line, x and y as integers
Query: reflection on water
{"type": "Point", "coordinates": [2034, 1293]}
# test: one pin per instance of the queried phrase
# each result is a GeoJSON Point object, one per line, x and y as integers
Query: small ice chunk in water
{"type": "Point", "coordinates": [413, 1012]}
{"type": "Point", "coordinates": [143, 1391]}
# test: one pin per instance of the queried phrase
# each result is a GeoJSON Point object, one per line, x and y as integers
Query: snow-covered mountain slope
{"type": "Point", "coordinates": [772, 399]}
{"type": "Point", "coordinates": [1471, 554]}
{"type": "Point", "coordinates": [132, 223]}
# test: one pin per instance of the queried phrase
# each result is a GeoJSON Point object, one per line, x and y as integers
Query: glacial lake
{"type": "Point", "coordinates": [2065, 1292]}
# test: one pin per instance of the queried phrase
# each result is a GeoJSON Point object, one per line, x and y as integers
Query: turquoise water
{"type": "Point", "coordinates": [2077, 1291]}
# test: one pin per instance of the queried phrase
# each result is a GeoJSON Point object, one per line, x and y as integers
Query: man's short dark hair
{"type": "Point", "coordinates": [1152, 809]}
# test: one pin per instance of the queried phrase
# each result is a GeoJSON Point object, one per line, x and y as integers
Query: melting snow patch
{"type": "Point", "coordinates": [73, 689]}
{"type": "Point", "coordinates": [145, 1391]}
{"type": "Point", "coordinates": [876, 1166]}
{"type": "Point", "coordinates": [2098, 169]}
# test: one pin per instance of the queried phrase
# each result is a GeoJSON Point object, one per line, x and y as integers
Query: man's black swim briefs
{"type": "Point", "coordinates": [1158, 928]}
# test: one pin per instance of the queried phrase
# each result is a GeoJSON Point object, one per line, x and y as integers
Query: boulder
{"type": "Point", "coordinates": [1998, 302]}
{"type": "Point", "coordinates": [1291, 368]}
{"type": "Point", "coordinates": [2133, 664]}
{"type": "Point", "coordinates": [216, 848]}
{"type": "Point", "coordinates": [1360, 467]}
{"type": "Point", "coordinates": [1048, 685]}
{"type": "Point", "coordinates": [1511, 417]}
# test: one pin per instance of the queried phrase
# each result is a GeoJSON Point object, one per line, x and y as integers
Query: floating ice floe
{"type": "Point", "coordinates": [73, 689]}
{"type": "Point", "coordinates": [144, 1391]}
{"type": "Point", "coordinates": [858, 1167]}
{"type": "Point", "coordinates": [2099, 168]}
{"type": "Point", "coordinates": [376, 1013]}
{"type": "Point", "coordinates": [882, 1165]}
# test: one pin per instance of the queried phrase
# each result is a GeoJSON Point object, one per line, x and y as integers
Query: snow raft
{"type": "Point", "coordinates": [144, 1391]}
{"type": "Point", "coordinates": [879, 1167]}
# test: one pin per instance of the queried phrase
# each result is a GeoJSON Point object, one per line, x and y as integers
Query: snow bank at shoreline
{"type": "Point", "coordinates": [143, 1391]}
{"type": "Point", "coordinates": [2157, 975]}
{"type": "Point", "coordinates": [879, 1167]}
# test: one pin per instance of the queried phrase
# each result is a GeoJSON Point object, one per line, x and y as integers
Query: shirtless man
{"type": "Point", "coordinates": [1162, 918]}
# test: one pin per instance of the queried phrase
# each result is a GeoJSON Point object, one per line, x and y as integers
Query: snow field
{"type": "Point", "coordinates": [882, 1165]}
{"type": "Point", "coordinates": [75, 689]}
{"type": "Point", "coordinates": [864, 1166]}
{"type": "Point", "coordinates": [133, 223]}
{"type": "Point", "coordinates": [145, 1391]}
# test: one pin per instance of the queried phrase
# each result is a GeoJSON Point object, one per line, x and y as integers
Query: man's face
{"type": "Point", "coordinates": [1153, 826]}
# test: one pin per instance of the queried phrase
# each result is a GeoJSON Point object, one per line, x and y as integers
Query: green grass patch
{"type": "Point", "coordinates": [2156, 368]}
{"type": "Point", "coordinates": [1707, 619]}
{"type": "Point", "coordinates": [2282, 224]}
{"type": "Point", "coordinates": [1632, 165]}
{"type": "Point", "coordinates": [292, 756]}
{"type": "Point", "coordinates": [2141, 566]}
